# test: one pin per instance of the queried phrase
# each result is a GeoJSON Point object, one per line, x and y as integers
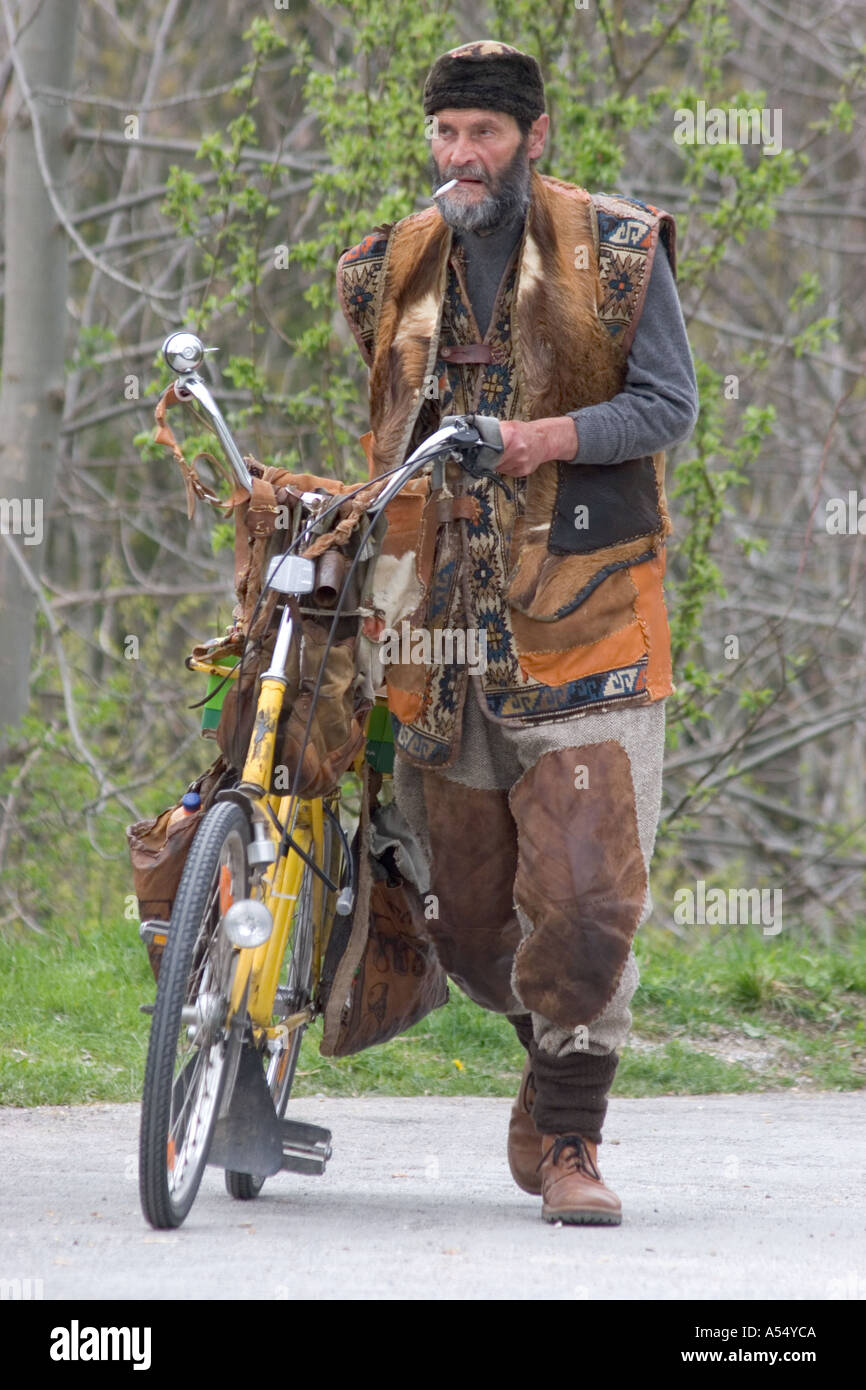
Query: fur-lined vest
{"type": "Point", "coordinates": [559, 574]}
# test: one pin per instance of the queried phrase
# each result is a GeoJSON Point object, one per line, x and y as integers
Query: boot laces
{"type": "Point", "coordinates": [573, 1147]}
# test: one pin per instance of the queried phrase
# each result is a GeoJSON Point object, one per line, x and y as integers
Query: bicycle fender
{"type": "Point", "coordinates": [241, 799]}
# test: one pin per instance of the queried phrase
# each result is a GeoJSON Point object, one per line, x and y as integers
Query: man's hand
{"type": "Point", "coordinates": [530, 443]}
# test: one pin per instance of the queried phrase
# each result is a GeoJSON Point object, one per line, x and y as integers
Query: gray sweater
{"type": "Point", "coordinates": [658, 406]}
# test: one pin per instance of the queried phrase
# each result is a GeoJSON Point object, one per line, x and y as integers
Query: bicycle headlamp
{"type": "Point", "coordinates": [248, 923]}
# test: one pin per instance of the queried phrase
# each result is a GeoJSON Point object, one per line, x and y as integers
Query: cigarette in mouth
{"type": "Point", "coordinates": [445, 187]}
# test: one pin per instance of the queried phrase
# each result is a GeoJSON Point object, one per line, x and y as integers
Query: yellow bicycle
{"type": "Point", "coordinates": [265, 879]}
{"type": "Point", "coordinates": [243, 952]}
{"type": "Point", "coordinates": [238, 985]}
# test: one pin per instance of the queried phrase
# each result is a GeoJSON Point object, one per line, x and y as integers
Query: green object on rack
{"type": "Point", "coordinates": [217, 688]}
{"type": "Point", "coordinates": [380, 740]}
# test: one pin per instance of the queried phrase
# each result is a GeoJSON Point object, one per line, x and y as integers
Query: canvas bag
{"type": "Point", "coordinates": [380, 974]}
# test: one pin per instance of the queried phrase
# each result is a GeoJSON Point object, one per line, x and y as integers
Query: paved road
{"type": "Point", "coordinates": [749, 1196]}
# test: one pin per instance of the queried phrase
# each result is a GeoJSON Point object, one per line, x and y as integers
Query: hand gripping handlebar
{"type": "Point", "coordinates": [480, 439]}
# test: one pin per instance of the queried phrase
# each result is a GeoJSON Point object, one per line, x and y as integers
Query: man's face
{"type": "Point", "coordinates": [487, 153]}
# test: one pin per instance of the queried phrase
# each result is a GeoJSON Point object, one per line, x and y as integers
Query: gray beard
{"type": "Point", "coordinates": [509, 200]}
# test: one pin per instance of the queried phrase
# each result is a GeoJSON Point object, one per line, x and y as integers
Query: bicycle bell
{"type": "Point", "coordinates": [183, 352]}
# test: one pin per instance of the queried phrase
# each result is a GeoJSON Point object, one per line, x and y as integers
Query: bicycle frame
{"type": "Point", "coordinates": [259, 966]}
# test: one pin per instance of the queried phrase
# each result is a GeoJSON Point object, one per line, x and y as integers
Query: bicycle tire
{"type": "Point", "coordinates": [297, 969]}
{"type": "Point", "coordinates": [180, 1104]}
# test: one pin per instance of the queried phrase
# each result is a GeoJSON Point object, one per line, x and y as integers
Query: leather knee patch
{"type": "Point", "coordinates": [580, 880]}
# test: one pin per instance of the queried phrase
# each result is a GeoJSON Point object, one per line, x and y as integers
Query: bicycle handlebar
{"type": "Point", "coordinates": [477, 436]}
{"type": "Point", "coordinates": [184, 353]}
{"type": "Point", "coordinates": [475, 441]}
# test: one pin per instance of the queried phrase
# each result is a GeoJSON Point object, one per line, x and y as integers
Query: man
{"type": "Point", "coordinates": [534, 782]}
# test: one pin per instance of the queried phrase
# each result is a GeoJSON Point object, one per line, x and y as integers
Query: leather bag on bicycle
{"type": "Point", "coordinates": [158, 849]}
{"type": "Point", "coordinates": [265, 519]}
{"type": "Point", "coordinates": [336, 728]}
{"type": "Point", "coordinates": [380, 974]}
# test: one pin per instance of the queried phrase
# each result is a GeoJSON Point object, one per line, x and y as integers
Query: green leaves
{"type": "Point", "coordinates": [752, 700]}
{"type": "Point", "coordinates": [265, 40]}
{"type": "Point", "coordinates": [183, 192]}
{"type": "Point", "coordinates": [93, 340]}
{"type": "Point", "coordinates": [815, 336]}
{"type": "Point", "coordinates": [726, 432]}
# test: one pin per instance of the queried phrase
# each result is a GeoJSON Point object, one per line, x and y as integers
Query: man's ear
{"type": "Point", "coordinates": [537, 135]}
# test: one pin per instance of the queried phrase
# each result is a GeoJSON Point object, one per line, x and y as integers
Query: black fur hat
{"type": "Point", "coordinates": [490, 75]}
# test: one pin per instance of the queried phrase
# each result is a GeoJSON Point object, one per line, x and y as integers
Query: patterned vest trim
{"type": "Point", "coordinates": [562, 571]}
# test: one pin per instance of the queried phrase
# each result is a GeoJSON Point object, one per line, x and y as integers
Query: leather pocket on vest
{"type": "Point", "coordinates": [557, 564]}
{"type": "Point", "coordinates": [602, 634]}
{"type": "Point", "coordinates": [599, 506]}
{"type": "Point", "coordinates": [548, 587]}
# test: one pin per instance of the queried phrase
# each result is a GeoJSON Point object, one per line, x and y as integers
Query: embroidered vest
{"type": "Point", "coordinates": [562, 572]}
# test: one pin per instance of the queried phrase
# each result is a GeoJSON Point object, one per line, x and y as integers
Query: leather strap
{"type": "Point", "coordinates": [164, 434]}
{"type": "Point", "coordinates": [467, 352]}
{"type": "Point", "coordinates": [261, 517]}
{"type": "Point", "coordinates": [450, 508]}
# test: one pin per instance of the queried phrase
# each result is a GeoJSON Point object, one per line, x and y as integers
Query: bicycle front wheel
{"type": "Point", "coordinates": [191, 1051]}
{"type": "Point", "coordinates": [295, 992]}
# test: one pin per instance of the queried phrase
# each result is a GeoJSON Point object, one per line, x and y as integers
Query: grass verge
{"type": "Point", "coordinates": [731, 1010]}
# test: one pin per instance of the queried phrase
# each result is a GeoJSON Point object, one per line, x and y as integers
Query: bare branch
{"type": "Point", "coordinates": [114, 104]}
{"type": "Point", "coordinates": [177, 591]}
{"type": "Point", "coordinates": [192, 147]}
{"type": "Point", "coordinates": [11, 800]}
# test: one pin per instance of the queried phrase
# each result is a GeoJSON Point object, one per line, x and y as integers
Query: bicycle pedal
{"type": "Point", "coordinates": [306, 1147]}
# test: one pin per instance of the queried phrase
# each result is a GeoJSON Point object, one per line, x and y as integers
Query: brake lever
{"type": "Point", "coordinates": [481, 441]}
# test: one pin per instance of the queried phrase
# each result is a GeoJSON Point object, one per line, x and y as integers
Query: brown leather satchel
{"type": "Point", "coordinates": [266, 518]}
{"type": "Point", "coordinates": [158, 851]}
{"type": "Point", "coordinates": [380, 974]}
{"type": "Point", "coordinates": [337, 725]}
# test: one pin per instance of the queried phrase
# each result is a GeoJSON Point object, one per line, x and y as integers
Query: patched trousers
{"type": "Point", "coordinates": [538, 842]}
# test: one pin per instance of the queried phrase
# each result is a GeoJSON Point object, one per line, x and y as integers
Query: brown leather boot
{"type": "Point", "coordinates": [524, 1141]}
{"type": "Point", "coordinates": [572, 1186]}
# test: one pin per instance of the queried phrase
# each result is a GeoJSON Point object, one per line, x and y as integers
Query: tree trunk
{"type": "Point", "coordinates": [34, 342]}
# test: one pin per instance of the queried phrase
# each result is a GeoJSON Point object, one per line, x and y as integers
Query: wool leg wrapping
{"type": "Point", "coordinates": [571, 1092]}
{"type": "Point", "coordinates": [522, 1025]}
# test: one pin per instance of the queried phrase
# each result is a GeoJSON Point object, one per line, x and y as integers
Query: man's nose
{"type": "Point", "coordinates": [463, 153]}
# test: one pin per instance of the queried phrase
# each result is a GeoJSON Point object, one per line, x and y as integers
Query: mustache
{"type": "Point", "coordinates": [466, 173]}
